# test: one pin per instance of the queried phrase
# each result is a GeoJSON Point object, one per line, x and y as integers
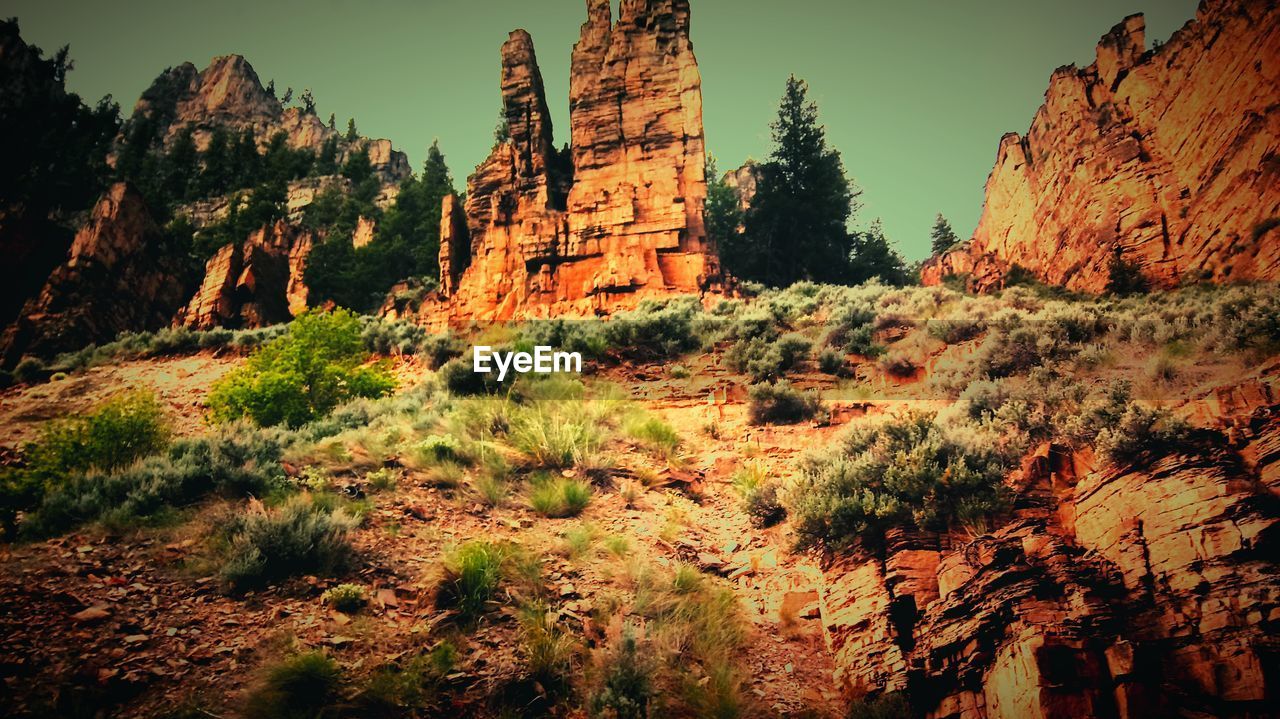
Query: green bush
{"type": "Point", "coordinates": [833, 363]}
{"type": "Point", "coordinates": [763, 359]}
{"type": "Point", "coordinates": [764, 506]}
{"type": "Point", "coordinates": [301, 537]}
{"type": "Point", "coordinates": [654, 433]}
{"type": "Point", "coordinates": [302, 375]}
{"type": "Point", "coordinates": [304, 686]}
{"type": "Point", "coordinates": [1142, 433]}
{"type": "Point", "coordinates": [404, 684]}
{"type": "Point", "coordinates": [906, 472]}
{"type": "Point", "coordinates": [885, 706]}
{"type": "Point", "coordinates": [559, 497]}
{"type": "Point", "coordinates": [113, 435]}
{"type": "Point", "coordinates": [780, 404]}
{"type": "Point", "coordinates": [655, 330]}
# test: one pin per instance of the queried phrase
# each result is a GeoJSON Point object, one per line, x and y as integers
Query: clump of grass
{"type": "Point", "coordinates": [655, 434]}
{"type": "Point", "coordinates": [780, 404]}
{"type": "Point", "coordinates": [559, 497]}
{"type": "Point", "coordinates": [577, 542]}
{"type": "Point", "coordinates": [346, 598]}
{"type": "Point", "coordinates": [630, 491]}
{"type": "Point", "coordinates": [617, 545]}
{"type": "Point", "coordinates": [301, 687]}
{"type": "Point", "coordinates": [553, 437]}
{"type": "Point", "coordinates": [300, 537]}
{"type": "Point", "coordinates": [472, 572]}
{"type": "Point", "coordinates": [490, 489]}
{"type": "Point", "coordinates": [549, 651]}
{"type": "Point", "coordinates": [445, 475]}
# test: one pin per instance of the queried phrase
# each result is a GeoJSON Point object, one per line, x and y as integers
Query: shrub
{"type": "Point", "coordinates": [300, 537]}
{"type": "Point", "coordinates": [1141, 432]}
{"type": "Point", "coordinates": [626, 690]}
{"type": "Point", "coordinates": [761, 358]}
{"type": "Point", "coordinates": [654, 330]}
{"type": "Point", "coordinates": [113, 435]}
{"type": "Point", "coordinates": [886, 706]}
{"type": "Point", "coordinates": [955, 331]}
{"type": "Point", "coordinates": [559, 497]}
{"type": "Point", "coordinates": [764, 507]}
{"type": "Point", "coordinates": [346, 598]}
{"type": "Point", "coordinates": [304, 686]}
{"type": "Point", "coordinates": [234, 461]}
{"type": "Point", "coordinates": [395, 687]}
{"type": "Point", "coordinates": [381, 480]}
{"type": "Point", "coordinates": [303, 375]}
{"type": "Point", "coordinates": [897, 363]}
{"type": "Point", "coordinates": [471, 575]}
{"type": "Point", "coordinates": [780, 404]}
{"type": "Point", "coordinates": [832, 363]}
{"type": "Point", "coordinates": [906, 472]}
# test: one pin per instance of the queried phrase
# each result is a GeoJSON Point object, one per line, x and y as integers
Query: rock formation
{"type": "Point", "coordinates": [617, 217]}
{"type": "Point", "coordinates": [256, 283]}
{"type": "Point", "coordinates": [1114, 591]}
{"type": "Point", "coordinates": [743, 181]}
{"type": "Point", "coordinates": [1164, 157]}
{"type": "Point", "coordinates": [119, 276]}
{"type": "Point", "coordinates": [228, 94]}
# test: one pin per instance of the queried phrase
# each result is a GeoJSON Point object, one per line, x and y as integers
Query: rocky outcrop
{"type": "Point", "coordinates": [1112, 591]}
{"type": "Point", "coordinates": [120, 276]}
{"type": "Point", "coordinates": [744, 181]}
{"type": "Point", "coordinates": [1166, 157]}
{"type": "Point", "coordinates": [228, 94]}
{"type": "Point", "coordinates": [253, 284]}
{"type": "Point", "coordinates": [615, 218]}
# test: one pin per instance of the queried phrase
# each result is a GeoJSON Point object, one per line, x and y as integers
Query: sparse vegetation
{"type": "Point", "coordinates": [346, 598]}
{"type": "Point", "coordinates": [300, 537]}
{"type": "Point", "coordinates": [559, 497]}
{"type": "Point", "coordinates": [304, 686]}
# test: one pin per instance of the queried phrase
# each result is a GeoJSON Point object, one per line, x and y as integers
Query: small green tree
{"type": "Point", "coordinates": [318, 364]}
{"type": "Point", "coordinates": [942, 236]}
{"type": "Point", "coordinates": [796, 227]}
{"type": "Point", "coordinates": [724, 214]}
{"type": "Point", "coordinates": [1125, 277]}
{"type": "Point", "coordinates": [352, 135]}
{"type": "Point", "coordinates": [872, 255]}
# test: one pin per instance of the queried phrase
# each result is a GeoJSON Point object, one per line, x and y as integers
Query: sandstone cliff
{"type": "Point", "coordinates": [1167, 157]}
{"type": "Point", "coordinates": [253, 284]}
{"type": "Point", "coordinates": [617, 217]}
{"type": "Point", "coordinates": [1114, 591]}
{"type": "Point", "coordinates": [119, 276]}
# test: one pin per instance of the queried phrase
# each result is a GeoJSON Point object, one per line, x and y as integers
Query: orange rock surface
{"type": "Point", "coordinates": [615, 218]}
{"type": "Point", "coordinates": [1167, 157]}
{"type": "Point", "coordinates": [118, 276]}
{"type": "Point", "coordinates": [256, 283]}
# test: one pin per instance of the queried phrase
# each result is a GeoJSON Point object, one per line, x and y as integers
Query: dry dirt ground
{"type": "Point", "coordinates": [135, 622]}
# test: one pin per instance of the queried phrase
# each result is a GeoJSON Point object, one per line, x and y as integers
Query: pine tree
{"type": "Point", "coordinates": [796, 227]}
{"type": "Point", "coordinates": [944, 238]}
{"type": "Point", "coordinates": [723, 213]}
{"type": "Point", "coordinates": [332, 121]}
{"type": "Point", "coordinates": [352, 135]}
{"type": "Point", "coordinates": [181, 167]}
{"type": "Point", "coordinates": [872, 256]}
{"type": "Point", "coordinates": [308, 102]}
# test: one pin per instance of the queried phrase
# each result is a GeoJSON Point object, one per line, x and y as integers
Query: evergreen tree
{"type": "Point", "coordinates": [796, 227]}
{"type": "Point", "coordinates": [271, 88]}
{"type": "Point", "coordinates": [333, 122]}
{"type": "Point", "coordinates": [181, 168]}
{"type": "Point", "coordinates": [216, 177]}
{"type": "Point", "coordinates": [327, 162]}
{"type": "Point", "coordinates": [944, 238]}
{"type": "Point", "coordinates": [288, 96]}
{"type": "Point", "coordinates": [245, 168]}
{"type": "Point", "coordinates": [352, 135]}
{"type": "Point", "coordinates": [357, 168]}
{"type": "Point", "coordinates": [308, 102]}
{"type": "Point", "coordinates": [872, 256]}
{"type": "Point", "coordinates": [723, 213]}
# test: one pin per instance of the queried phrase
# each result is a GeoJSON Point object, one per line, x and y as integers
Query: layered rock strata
{"type": "Point", "coordinates": [1164, 158]}
{"type": "Point", "coordinates": [252, 284]}
{"type": "Point", "coordinates": [614, 218]}
{"type": "Point", "coordinates": [1114, 591]}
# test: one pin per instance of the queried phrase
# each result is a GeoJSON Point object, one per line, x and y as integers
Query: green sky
{"type": "Point", "coordinates": [914, 94]}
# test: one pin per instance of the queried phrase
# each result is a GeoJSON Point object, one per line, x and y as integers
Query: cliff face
{"type": "Point", "coordinates": [1167, 157]}
{"type": "Point", "coordinates": [1113, 592]}
{"type": "Point", "coordinates": [228, 94]}
{"type": "Point", "coordinates": [616, 218]}
{"type": "Point", "coordinates": [119, 276]}
{"type": "Point", "coordinates": [253, 284]}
